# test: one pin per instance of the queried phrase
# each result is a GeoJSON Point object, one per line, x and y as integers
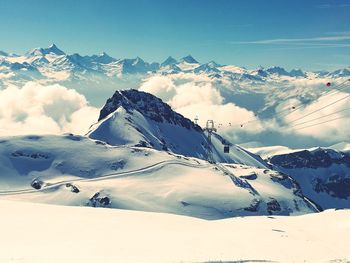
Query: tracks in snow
{"type": "Point", "coordinates": [153, 167]}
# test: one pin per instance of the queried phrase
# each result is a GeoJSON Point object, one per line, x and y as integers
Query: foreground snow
{"type": "Point", "coordinates": [46, 233]}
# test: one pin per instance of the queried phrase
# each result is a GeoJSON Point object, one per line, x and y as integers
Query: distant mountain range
{"type": "Point", "coordinates": [53, 64]}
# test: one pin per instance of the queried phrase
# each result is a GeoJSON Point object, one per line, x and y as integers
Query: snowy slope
{"type": "Point", "coordinates": [136, 118]}
{"type": "Point", "coordinates": [46, 233]}
{"type": "Point", "coordinates": [78, 171]}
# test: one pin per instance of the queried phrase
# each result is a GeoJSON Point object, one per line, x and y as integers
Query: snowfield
{"type": "Point", "coordinates": [78, 171]}
{"type": "Point", "coordinates": [47, 233]}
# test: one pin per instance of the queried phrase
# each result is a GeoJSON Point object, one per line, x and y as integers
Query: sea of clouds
{"type": "Point", "coordinates": [195, 95]}
{"type": "Point", "coordinates": [54, 109]}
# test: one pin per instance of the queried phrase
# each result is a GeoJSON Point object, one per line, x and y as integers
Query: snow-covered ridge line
{"type": "Point", "coordinates": [47, 62]}
{"type": "Point", "coordinates": [136, 118]}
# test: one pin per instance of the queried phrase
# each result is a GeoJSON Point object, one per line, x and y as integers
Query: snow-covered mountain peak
{"type": "Point", "coordinates": [138, 61]}
{"type": "Point", "coordinates": [102, 58]}
{"type": "Point", "coordinates": [52, 49]}
{"type": "Point", "coordinates": [136, 118]}
{"type": "Point", "coordinates": [297, 73]}
{"type": "Point", "coordinates": [189, 59]}
{"type": "Point", "coordinates": [148, 105]}
{"type": "Point", "coordinates": [210, 67]}
{"type": "Point", "coordinates": [345, 72]}
{"type": "Point", "coordinates": [277, 70]}
{"type": "Point", "coordinates": [169, 61]}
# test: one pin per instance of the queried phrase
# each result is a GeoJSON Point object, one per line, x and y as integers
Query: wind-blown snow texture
{"type": "Point", "coordinates": [77, 234]}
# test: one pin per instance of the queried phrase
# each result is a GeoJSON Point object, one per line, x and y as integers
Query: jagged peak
{"type": "Point", "coordinates": [53, 46]}
{"type": "Point", "coordinates": [277, 70]}
{"type": "Point", "coordinates": [138, 60]}
{"type": "Point", "coordinates": [104, 54]}
{"type": "Point", "coordinates": [169, 61]}
{"type": "Point", "coordinates": [102, 58]}
{"type": "Point", "coordinates": [297, 73]}
{"type": "Point", "coordinates": [53, 49]}
{"type": "Point", "coordinates": [189, 59]}
{"type": "Point", "coordinates": [213, 64]}
{"type": "Point", "coordinates": [75, 56]}
{"type": "Point", "coordinates": [148, 105]}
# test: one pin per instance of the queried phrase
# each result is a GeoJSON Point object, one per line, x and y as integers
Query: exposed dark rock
{"type": "Point", "coordinates": [37, 184]}
{"type": "Point", "coordinates": [311, 159]}
{"type": "Point", "coordinates": [100, 142]}
{"type": "Point", "coordinates": [336, 186]}
{"type": "Point", "coordinates": [73, 188]}
{"type": "Point", "coordinates": [99, 201]}
{"type": "Point", "coordinates": [73, 137]}
{"type": "Point", "coordinates": [36, 155]}
{"type": "Point", "coordinates": [251, 176]}
{"type": "Point", "coordinates": [273, 206]}
{"type": "Point", "coordinates": [184, 203]}
{"type": "Point", "coordinates": [148, 105]}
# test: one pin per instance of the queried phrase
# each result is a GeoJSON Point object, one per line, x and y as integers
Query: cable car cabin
{"type": "Point", "coordinates": [226, 149]}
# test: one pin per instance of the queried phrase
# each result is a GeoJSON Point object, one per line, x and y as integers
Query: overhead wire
{"type": "Point", "coordinates": [342, 117]}
{"type": "Point", "coordinates": [335, 89]}
{"type": "Point", "coordinates": [339, 87]}
{"type": "Point", "coordinates": [318, 118]}
{"type": "Point", "coordinates": [322, 108]}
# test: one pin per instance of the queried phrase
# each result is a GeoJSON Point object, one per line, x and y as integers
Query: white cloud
{"type": "Point", "coordinates": [191, 93]}
{"type": "Point", "coordinates": [315, 119]}
{"type": "Point", "coordinates": [196, 95]}
{"type": "Point", "coordinates": [39, 109]}
{"type": "Point", "coordinates": [296, 40]}
{"type": "Point", "coordinates": [161, 86]}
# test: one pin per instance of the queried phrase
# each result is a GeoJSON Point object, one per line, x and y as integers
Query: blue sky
{"type": "Point", "coordinates": [294, 34]}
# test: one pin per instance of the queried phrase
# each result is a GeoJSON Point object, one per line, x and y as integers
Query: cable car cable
{"type": "Point", "coordinates": [322, 122]}
{"type": "Point", "coordinates": [342, 85]}
{"type": "Point", "coordinates": [324, 107]}
{"type": "Point", "coordinates": [301, 123]}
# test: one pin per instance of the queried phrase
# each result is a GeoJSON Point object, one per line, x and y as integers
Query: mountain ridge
{"type": "Point", "coordinates": [139, 66]}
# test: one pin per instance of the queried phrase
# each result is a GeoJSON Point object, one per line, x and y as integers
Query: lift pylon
{"type": "Point", "coordinates": [210, 128]}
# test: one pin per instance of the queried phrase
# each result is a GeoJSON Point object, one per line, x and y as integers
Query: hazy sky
{"type": "Point", "coordinates": [295, 34]}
